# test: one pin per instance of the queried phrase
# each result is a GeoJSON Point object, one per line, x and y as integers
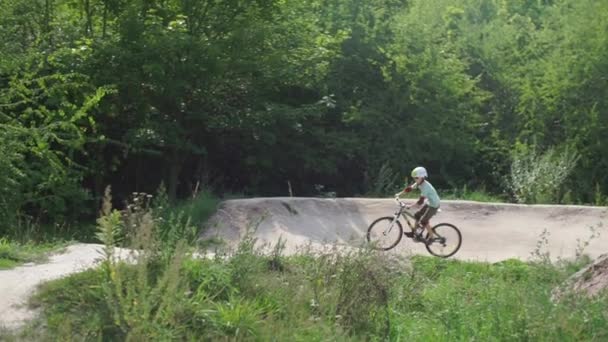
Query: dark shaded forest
{"type": "Point", "coordinates": [316, 97]}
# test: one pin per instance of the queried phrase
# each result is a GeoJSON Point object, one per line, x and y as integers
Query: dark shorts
{"type": "Point", "coordinates": [425, 213]}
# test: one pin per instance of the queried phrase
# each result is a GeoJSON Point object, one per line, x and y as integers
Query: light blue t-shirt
{"type": "Point", "coordinates": [428, 191]}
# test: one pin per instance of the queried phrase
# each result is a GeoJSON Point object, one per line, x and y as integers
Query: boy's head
{"type": "Point", "coordinates": [419, 174]}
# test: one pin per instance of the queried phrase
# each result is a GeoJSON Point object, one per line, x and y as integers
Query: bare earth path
{"type": "Point", "coordinates": [491, 232]}
{"type": "Point", "coordinates": [16, 285]}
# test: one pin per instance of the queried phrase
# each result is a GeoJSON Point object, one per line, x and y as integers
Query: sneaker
{"type": "Point", "coordinates": [417, 236]}
{"type": "Point", "coordinates": [409, 234]}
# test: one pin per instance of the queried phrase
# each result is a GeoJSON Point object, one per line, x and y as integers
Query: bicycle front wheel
{"type": "Point", "coordinates": [384, 233]}
{"type": "Point", "coordinates": [446, 241]}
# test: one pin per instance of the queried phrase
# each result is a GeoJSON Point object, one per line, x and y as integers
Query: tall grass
{"type": "Point", "coordinates": [503, 301]}
{"type": "Point", "coordinates": [250, 294]}
{"type": "Point", "coordinates": [23, 239]}
{"type": "Point", "coordinates": [479, 195]}
{"type": "Point", "coordinates": [361, 295]}
{"type": "Point", "coordinates": [15, 253]}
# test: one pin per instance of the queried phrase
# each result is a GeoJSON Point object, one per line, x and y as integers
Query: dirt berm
{"type": "Point", "coordinates": [491, 232]}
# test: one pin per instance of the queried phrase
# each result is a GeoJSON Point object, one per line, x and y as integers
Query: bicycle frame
{"type": "Point", "coordinates": [402, 212]}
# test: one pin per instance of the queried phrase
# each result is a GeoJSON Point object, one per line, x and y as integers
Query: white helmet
{"type": "Point", "coordinates": [419, 172]}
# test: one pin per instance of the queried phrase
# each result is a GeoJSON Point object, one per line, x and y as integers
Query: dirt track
{"type": "Point", "coordinates": [16, 285]}
{"type": "Point", "coordinates": [491, 232]}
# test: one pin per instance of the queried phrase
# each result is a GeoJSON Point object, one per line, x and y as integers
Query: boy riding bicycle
{"type": "Point", "coordinates": [428, 194]}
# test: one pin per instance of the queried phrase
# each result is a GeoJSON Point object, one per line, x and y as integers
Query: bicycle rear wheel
{"type": "Point", "coordinates": [446, 241]}
{"type": "Point", "coordinates": [384, 233]}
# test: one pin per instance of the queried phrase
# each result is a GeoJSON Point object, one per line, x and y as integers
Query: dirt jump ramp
{"type": "Point", "coordinates": [491, 232]}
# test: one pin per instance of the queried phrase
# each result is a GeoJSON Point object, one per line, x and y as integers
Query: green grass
{"type": "Point", "coordinates": [28, 230]}
{"type": "Point", "coordinates": [198, 209]}
{"type": "Point", "coordinates": [360, 296]}
{"type": "Point", "coordinates": [473, 195]}
{"type": "Point", "coordinates": [13, 254]}
{"type": "Point", "coordinates": [363, 295]}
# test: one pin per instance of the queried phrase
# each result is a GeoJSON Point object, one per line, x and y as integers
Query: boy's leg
{"type": "Point", "coordinates": [425, 221]}
{"type": "Point", "coordinates": [419, 214]}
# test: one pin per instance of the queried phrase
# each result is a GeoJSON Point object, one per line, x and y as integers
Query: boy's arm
{"type": "Point", "coordinates": [407, 189]}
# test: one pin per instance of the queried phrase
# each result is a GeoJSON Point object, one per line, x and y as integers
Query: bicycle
{"type": "Point", "coordinates": [446, 236]}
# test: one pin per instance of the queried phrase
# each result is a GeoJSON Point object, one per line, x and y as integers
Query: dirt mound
{"type": "Point", "coordinates": [590, 281]}
{"type": "Point", "coordinates": [296, 220]}
{"type": "Point", "coordinates": [491, 231]}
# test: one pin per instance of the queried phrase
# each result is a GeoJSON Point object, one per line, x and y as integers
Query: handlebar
{"type": "Point", "coordinates": [403, 205]}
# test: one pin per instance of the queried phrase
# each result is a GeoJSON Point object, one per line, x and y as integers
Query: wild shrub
{"type": "Point", "coordinates": [238, 317]}
{"type": "Point", "coordinates": [351, 289]}
{"type": "Point", "coordinates": [537, 178]}
{"type": "Point", "coordinates": [11, 175]}
{"type": "Point", "coordinates": [364, 285]}
{"type": "Point", "coordinates": [144, 298]}
{"type": "Point", "coordinates": [383, 181]}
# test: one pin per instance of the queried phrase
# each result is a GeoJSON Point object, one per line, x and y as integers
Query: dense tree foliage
{"type": "Point", "coordinates": [341, 96]}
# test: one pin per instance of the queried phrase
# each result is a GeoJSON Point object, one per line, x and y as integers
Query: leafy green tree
{"type": "Point", "coordinates": [44, 116]}
{"type": "Point", "coordinates": [251, 96]}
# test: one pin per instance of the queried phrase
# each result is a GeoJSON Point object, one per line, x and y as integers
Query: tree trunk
{"type": "Point", "coordinates": [175, 168]}
{"type": "Point", "coordinates": [88, 11]}
{"type": "Point", "coordinates": [48, 18]}
{"type": "Point", "coordinates": [98, 177]}
{"type": "Point", "coordinates": [105, 19]}
{"type": "Point", "coordinates": [138, 169]}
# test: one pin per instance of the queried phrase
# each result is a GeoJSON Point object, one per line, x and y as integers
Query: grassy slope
{"type": "Point", "coordinates": [355, 297]}
{"type": "Point", "coordinates": [13, 254]}
{"type": "Point", "coordinates": [361, 296]}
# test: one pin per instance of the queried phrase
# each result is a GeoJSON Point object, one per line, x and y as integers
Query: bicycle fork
{"type": "Point", "coordinates": [390, 226]}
